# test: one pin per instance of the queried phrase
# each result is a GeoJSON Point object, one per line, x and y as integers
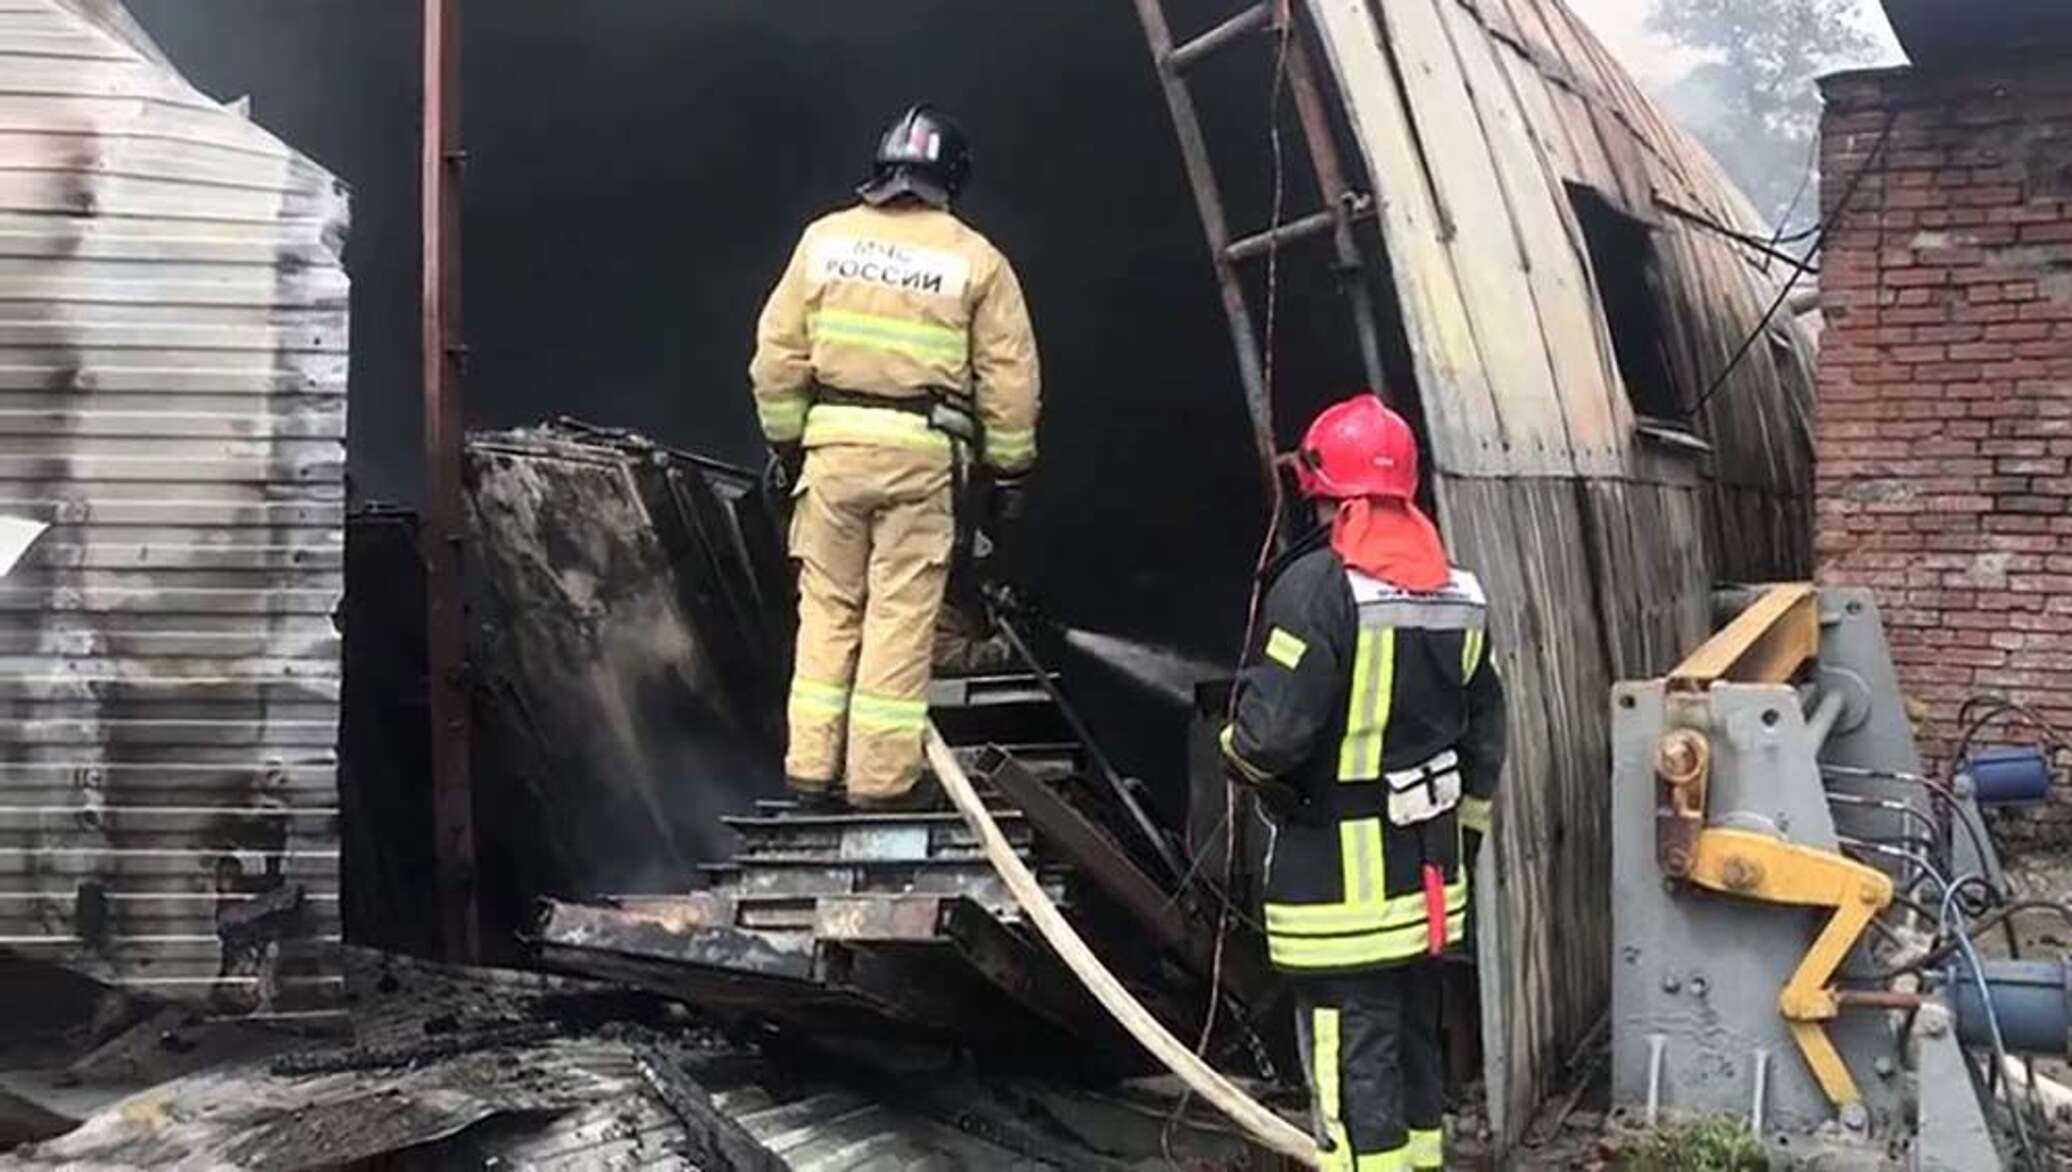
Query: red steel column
{"type": "Point", "coordinates": [453, 817]}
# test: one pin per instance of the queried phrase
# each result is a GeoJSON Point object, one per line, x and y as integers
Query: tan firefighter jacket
{"type": "Point", "coordinates": [896, 303]}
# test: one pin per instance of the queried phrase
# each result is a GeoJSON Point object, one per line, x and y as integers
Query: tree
{"type": "Point", "coordinates": [1754, 103]}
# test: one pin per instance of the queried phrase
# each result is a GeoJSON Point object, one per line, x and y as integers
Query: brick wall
{"type": "Point", "coordinates": [1944, 422]}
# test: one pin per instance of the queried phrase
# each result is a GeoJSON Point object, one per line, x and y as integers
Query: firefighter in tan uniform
{"type": "Point", "coordinates": [893, 355]}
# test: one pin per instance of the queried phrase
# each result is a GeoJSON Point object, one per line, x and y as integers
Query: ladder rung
{"type": "Point", "coordinates": [1314, 224]}
{"type": "Point", "coordinates": [1251, 20]}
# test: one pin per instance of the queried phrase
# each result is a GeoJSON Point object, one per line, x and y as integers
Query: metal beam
{"type": "Point", "coordinates": [1201, 176]}
{"type": "Point", "coordinates": [1346, 205]}
{"type": "Point", "coordinates": [1314, 224]}
{"type": "Point", "coordinates": [1251, 20]}
{"type": "Point", "coordinates": [453, 817]}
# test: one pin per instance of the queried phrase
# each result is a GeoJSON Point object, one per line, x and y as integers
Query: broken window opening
{"type": "Point", "coordinates": [1629, 285]}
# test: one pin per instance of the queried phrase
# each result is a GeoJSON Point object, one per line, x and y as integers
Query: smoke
{"type": "Point", "coordinates": [1752, 101]}
{"type": "Point", "coordinates": [1166, 673]}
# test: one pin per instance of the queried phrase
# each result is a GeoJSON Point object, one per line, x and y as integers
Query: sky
{"type": "Point", "coordinates": [1657, 62]}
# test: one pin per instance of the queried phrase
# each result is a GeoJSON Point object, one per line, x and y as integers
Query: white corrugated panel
{"type": "Point", "coordinates": [173, 340]}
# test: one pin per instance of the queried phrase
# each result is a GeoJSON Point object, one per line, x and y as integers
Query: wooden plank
{"type": "Point", "coordinates": [1767, 643]}
{"type": "Point", "coordinates": [1531, 541]}
{"type": "Point", "coordinates": [1542, 119]}
{"type": "Point", "coordinates": [1484, 243]}
{"type": "Point", "coordinates": [1566, 311]}
{"type": "Point", "coordinates": [1531, 26]}
{"type": "Point", "coordinates": [1593, 112]}
{"type": "Point", "coordinates": [1495, 17]}
{"type": "Point", "coordinates": [1460, 408]}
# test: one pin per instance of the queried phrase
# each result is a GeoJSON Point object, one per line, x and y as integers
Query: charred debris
{"type": "Point", "coordinates": [688, 972]}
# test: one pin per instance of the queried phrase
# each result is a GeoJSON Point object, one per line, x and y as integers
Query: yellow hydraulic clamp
{"type": "Point", "coordinates": [1754, 866]}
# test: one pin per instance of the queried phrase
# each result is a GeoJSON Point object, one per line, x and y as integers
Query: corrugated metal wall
{"type": "Point", "coordinates": [1599, 547]}
{"type": "Point", "coordinates": [173, 341]}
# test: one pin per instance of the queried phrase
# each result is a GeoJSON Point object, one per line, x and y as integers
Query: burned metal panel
{"type": "Point", "coordinates": [173, 351]}
{"type": "Point", "coordinates": [625, 652]}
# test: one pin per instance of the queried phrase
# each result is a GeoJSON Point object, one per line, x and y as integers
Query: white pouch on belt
{"type": "Point", "coordinates": [1423, 792]}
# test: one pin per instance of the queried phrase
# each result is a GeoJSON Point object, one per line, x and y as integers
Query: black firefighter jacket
{"type": "Point", "coordinates": [1380, 709]}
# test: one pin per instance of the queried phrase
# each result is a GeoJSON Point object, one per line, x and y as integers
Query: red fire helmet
{"type": "Point", "coordinates": [1358, 448]}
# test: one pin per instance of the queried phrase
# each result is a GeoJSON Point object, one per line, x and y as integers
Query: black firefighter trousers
{"type": "Point", "coordinates": [1370, 1048]}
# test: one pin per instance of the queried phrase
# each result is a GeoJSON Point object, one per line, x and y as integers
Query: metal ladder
{"type": "Point", "coordinates": [1344, 206]}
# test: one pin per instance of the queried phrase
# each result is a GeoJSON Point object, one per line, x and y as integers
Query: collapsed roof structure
{"type": "Point", "coordinates": [1590, 323]}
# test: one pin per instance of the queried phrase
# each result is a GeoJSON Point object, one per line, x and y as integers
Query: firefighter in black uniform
{"type": "Point", "coordinates": [1371, 724]}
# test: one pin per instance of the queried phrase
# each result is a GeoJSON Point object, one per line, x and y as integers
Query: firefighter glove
{"type": "Point", "coordinates": [1010, 502]}
{"type": "Point", "coordinates": [1006, 500]}
{"type": "Point", "coordinates": [787, 460]}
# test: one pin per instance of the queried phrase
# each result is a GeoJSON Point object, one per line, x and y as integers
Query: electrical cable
{"type": "Point", "coordinates": [1941, 789]}
{"type": "Point", "coordinates": [1284, 29]}
{"type": "Point", "coordinates": [1985, 924]}
{"type": "Point", "coordinates": [1914, 906]}
{"type": "Point", "coordinates": [1762, 326]}
{"type": "Point", "coordinates": [1806, 173]}
{"type": "Point", "coordinates": [1904, 809]}
{"type": "Point", "coordinates": [1985, 996]}
{"type": "Point", "coordinates": [1758, 243]}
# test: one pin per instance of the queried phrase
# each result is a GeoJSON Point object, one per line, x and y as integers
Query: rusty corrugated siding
{"type": "Point", "coordinates": [1599, 547]}
{"type": "Point", "coordinates": [173, 346]}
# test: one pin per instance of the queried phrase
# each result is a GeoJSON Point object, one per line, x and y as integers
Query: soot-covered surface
{"type": "Point", "coordinates": [638, 172]}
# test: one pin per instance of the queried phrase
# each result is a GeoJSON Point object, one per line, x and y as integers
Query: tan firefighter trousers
{"type": "Point", "coordinates": [871, 529]}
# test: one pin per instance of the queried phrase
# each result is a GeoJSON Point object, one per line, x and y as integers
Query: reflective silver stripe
{"type": "Point", "coordinates": [1461, 587]}
{"type": "Point", "coordinates": [1425, 616]}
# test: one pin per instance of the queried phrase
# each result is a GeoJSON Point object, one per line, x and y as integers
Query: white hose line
{"type": "Point", "coordinates": [1268, 1128]}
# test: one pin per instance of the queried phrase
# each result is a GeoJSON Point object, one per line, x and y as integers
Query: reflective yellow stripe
{"type": "Point", "coordinates": [1470, 652]}
{"type": "Point", "coordinates": [1285, 649]}
{"type": "Point", "coordinates": [1474, 814]}
{"type": "Point", "coordinates": [1228, 739]}
{"type": "Point", "coordinates": [783, 415]}
{"type": "Point", "coordinates": [1324, 1042]}
{"type": "Point", "coordinates": [1342, 919]}
{"type": "Point", "coordinates": [895, 335]}
{"type": "Point", "coordinates": [1396, 1160]}
{"type": "Point", "coordinates": [1361, 858]}
{"type": "Point", "coordinates": [821, 699]}
{"type": "Point", "coordinates": [1374, 681]}
{"type": "Point", "coordinates": [1340, 952]}
{"type": "Point", "coordinates": [1427, 1148]}
{"type": "Point", "coordinates": [1006, 446]}
{"type": "Point", "coordinates": [887, 713]}
{"type": "Point", "coordinates": [831, 423]}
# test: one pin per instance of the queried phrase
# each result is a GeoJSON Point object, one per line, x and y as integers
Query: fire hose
{"type": "Point", "coordinates": [1261, 1124]}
